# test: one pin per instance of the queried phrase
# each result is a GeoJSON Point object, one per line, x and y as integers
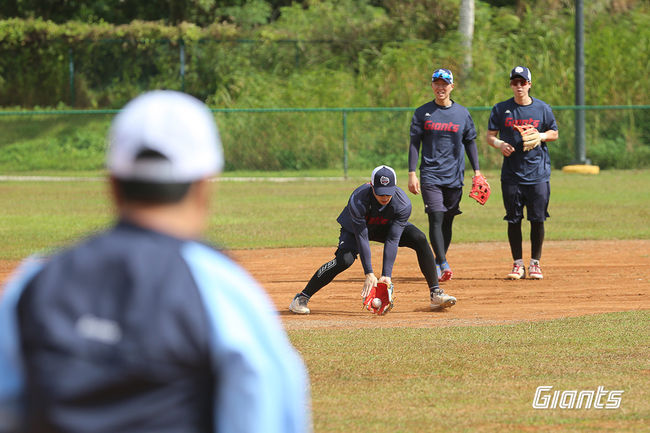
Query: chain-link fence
{"type": "Point", "coordinates": [313, 138]}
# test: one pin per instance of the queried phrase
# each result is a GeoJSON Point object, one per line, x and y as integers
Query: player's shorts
{"type": "Point", "coordinates": [441, 199]}
{"type": "Point", "coordinates": [534, 197]}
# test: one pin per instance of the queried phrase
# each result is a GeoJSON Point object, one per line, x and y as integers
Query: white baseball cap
{"type": "Point", "coordinates": [174, 125]}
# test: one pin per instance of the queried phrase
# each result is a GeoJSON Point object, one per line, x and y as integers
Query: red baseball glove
{"type": "Point", "coordinates": [480, 189]}
{"type": "Point", "coordinates": [384, 293]}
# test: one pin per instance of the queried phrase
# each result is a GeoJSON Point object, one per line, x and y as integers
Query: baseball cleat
{"type": "Point", "coordinates": [534, 271]}
{"type": "Point", "coordinates": [446, 272]}
{"type": "Point", "coordinates": [440, 300]}
{"type": "Point", "coordinates": [299, 304]}
{"type": "Point", "coordinates": [518, 272]}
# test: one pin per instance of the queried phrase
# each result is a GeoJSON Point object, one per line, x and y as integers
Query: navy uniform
{"type": "Point", "coordinates": [445, 135]}
{"type": "Point", "coordinates": [139, 330]}
{"type": "Point", "coordinates": [525, 175]}
{"type": "Point", "coordinates": [364, 219]}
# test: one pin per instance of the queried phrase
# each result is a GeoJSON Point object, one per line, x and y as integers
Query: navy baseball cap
{"type": "Point", "coordinates": [383, 180]}
{"type": "Point", "coordinates": [443, 74]}
{"type": "Point", "coordinates": [522, 72]}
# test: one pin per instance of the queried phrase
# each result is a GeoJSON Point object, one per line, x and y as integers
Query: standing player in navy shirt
{"type": "Point", "coordinates": [446, 132]}
{"type": "Point", "coordinates": [376, 211]}
{"type": "Point", "coordinates": [525, 175]}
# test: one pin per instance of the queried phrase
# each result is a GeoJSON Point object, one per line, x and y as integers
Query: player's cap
{"type": "Point", "coordinates": [383, 180]}
{"type": "Point", "coordinates": [522, 72]}
{"type": "Point", "coordinates": [443, 74]}
{"type": "Point", "coordinates": [164, 136]}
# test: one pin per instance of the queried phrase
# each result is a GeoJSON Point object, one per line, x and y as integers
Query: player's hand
{"type": "Point", "coordinates": [506, 149]}
{"type": "Point", "coordinates": [384, 292]}
{"type": "Point", "coordinates": [385, 279]}
{"type": "Point", "coordinates": [371, 281]}
{"type": "Point", "coordinates": [414, 183]}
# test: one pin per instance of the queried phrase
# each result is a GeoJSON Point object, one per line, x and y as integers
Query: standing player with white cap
{"type": "Point", "coordinates": [142, 327]}
{"type": "Point", "coordinates": [446, 131]}
{"type": "Point", "coordinates": [376, 211]}
{"type": "Point", "coordinates": [526, 169]}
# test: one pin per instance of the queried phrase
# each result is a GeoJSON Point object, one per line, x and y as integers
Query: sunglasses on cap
{"type": "Point", "coordinates": [442, 74]}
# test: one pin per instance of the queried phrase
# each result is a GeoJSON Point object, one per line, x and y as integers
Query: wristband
{"type": "Point", "coordinates": [542, 136]}
{"type": "Point", "coordinates": [498, 143]}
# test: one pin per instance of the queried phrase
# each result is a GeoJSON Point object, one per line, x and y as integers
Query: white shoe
{"type": "Point", "coordinates": [299, 304]}
{"type": "Point", "coordinates": [534, 271]}
{"type": "Point", "coordinates": [518, 272]}
{"type": "Point", "coordinates": [440, 300]}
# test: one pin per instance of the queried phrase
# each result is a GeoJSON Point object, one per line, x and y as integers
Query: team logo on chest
{"type": "Point", "coordinates": [430, 125]}
{"type": "Point", "coordinates": [510, 122]}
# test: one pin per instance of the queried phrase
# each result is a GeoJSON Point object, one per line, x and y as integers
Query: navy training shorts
{"type": "Point", "coordinates": [441, 199]}
{"type": "Point", "coordinates": [534, 197]}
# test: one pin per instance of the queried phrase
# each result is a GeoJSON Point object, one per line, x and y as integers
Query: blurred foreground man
{"type": "Point", "coordinates": [142, 328]}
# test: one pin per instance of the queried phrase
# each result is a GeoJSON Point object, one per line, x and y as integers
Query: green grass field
{"type": "Point", "coordinates": [460, 379]}
{"type": "Point", "coordinates": [478, 379]}
{"type": "Point", "coordinates": [263, 213]}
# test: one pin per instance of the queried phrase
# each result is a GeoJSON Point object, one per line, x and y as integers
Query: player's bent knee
{"type": "Point", "coordinates": [346, 259]}
{"type": "Point", "coordinates": [419, 238]}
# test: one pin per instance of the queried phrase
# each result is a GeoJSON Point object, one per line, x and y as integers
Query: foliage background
{"type": "Point", "coordinates": [323, 53]}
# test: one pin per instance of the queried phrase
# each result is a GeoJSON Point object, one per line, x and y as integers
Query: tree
{"type": "Point", "coordinates": [466, 29]}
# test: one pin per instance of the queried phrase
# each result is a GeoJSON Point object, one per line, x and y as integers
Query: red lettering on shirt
{"type": "Point", "coordinates": [430, 125]}
{"type": "Point", "coordinates": [377, 220]}
{"type": "Point", "coordinates": [510, 122]}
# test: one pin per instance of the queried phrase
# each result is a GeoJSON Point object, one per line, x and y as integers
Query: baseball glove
{"type": "Point", "coordinates": [480, 189]}
{"type": "Point", "coordinates": [385, 294]}
{"type": "Point", "coordinates": [530, 135]}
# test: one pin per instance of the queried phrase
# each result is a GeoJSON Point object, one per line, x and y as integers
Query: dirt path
{"type": "Point", "coordinates": [580, 277]}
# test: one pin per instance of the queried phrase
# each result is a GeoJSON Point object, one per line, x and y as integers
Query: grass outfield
{"type": "Point", "coordinates": [460, 379]}
{"type": "Point", "coordinates": [262, 213]}
{"type": "Point", "coordinates": [478, 379]}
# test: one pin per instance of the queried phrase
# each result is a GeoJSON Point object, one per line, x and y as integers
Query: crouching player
{"type": "Point", "coordinates": [376, 211]}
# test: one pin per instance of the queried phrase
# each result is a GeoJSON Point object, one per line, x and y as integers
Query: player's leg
{"type": "Point", "coordinates": [414, 238]}
{"type": "Point", "coordinates": [447, 231]}
{"type": "Point", "coordinates": [343, 259]}
{"type": "Point", "coordinates": [537, 198]}
{"type": "Point", "coordinates": [451, 197]}
{"type": "Point", "coordinates": [436, 236]}
{"type": "Point", "coordinates": [434, 206]}
{"type": "Point", "coordinates": [514, 206]}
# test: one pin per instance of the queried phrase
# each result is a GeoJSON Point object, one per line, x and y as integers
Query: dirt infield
{"type": "Point", "coordinates": [580, 278]}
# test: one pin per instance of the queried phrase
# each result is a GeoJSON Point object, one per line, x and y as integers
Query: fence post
{"type": "Point", "coordinates": [71, 73]}
{"type": "Point", "coordinates": [181, 44]}
{"type": "Point", "coordinates": [581, 153]}
{"type": "Point", "coordinates": [345, 143]}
